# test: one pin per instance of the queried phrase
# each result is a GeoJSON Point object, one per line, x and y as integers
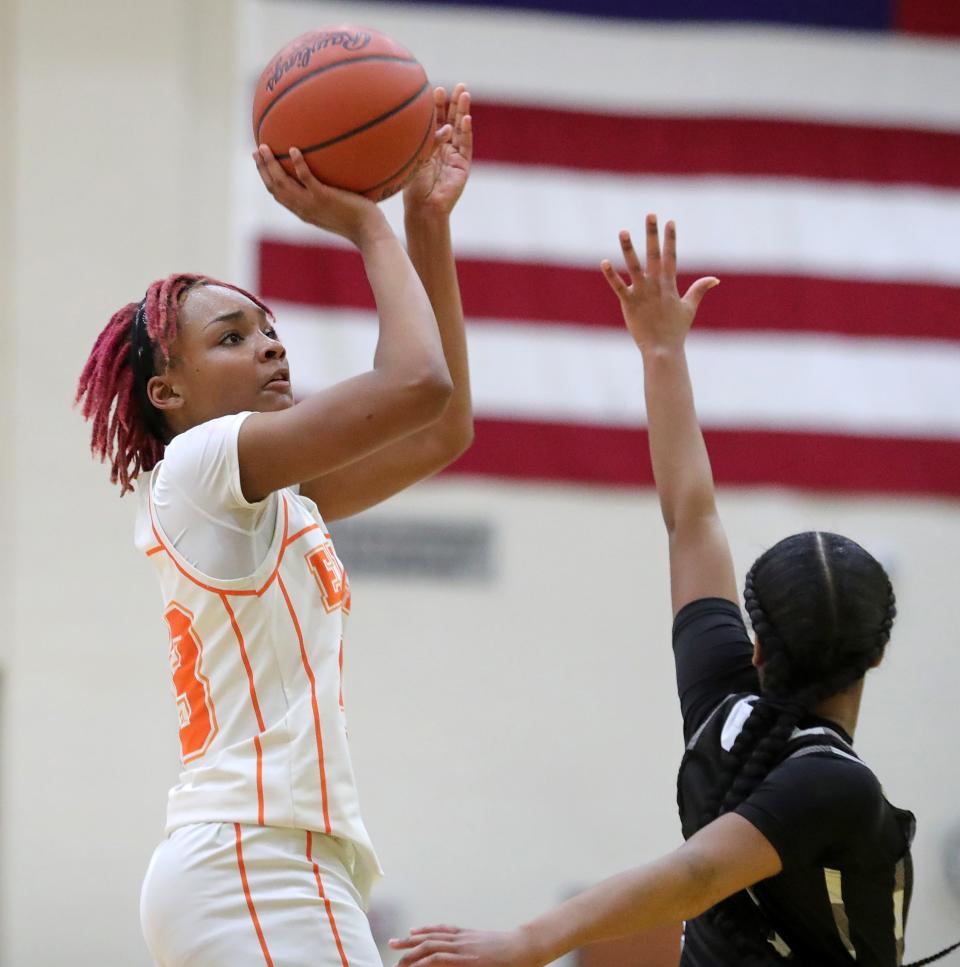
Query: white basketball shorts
{"type": "Point", "coordinates": [227, 895]}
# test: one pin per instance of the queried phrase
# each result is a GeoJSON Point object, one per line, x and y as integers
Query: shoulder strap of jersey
{"type": "Point", "coordinates": [819, 739]}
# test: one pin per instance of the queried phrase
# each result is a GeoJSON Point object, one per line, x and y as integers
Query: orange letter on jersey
{"type": "Point", "coordinates": [331, 578]}
{"type": "Point", "coordinates": [198, 721]}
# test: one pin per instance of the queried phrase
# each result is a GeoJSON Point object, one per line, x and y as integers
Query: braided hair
{"type": "Point", "coordinates": [822, 608]}
{"type": "Point", "coordinates": [128, 430]}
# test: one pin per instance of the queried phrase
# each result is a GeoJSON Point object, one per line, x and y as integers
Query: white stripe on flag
{"type": "Point", "coordinates": [572, 374]}
{"type": "Point", "coordinates": [754, 225]}
{"type": "Point", "coordinates": [628, 66]}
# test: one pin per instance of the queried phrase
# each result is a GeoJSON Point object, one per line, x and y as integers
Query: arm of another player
{"type": "Point", "coordinates": [408, 386]}
{"type": "Point", "coordinates": [724, 857]}
{"type": "Point", "coordinates": [428, 201]}
{"type": "Point", "coordinates": [659, 320]}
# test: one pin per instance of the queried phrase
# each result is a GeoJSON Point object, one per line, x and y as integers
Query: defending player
{"type": "Point", "coordinates": [792, 849]}
{"type": "Point", "coordinates": [266, 859]}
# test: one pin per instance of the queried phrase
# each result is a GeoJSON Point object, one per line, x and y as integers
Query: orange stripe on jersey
{"type": "Point", "coordinates": [283, 546]}
{"type": "Point", "coordinates": [259, 748]}
{"type": "Point", "coordinates": [249, 898]}
{"type": "Point", "coordinates": [326, 901]}
{"type": "Point", "coordinates": [250, 592]}
{"type": "Point", "coordinates": [254, 702]}
{"type": "Point", "coordinates": [300, 533]}
{"type": "Point", "coordinates": [246, 662]}
{"type": "Point", "coordinates": [313, 699]}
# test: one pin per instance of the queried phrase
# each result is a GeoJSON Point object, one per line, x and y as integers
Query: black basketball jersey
{"type": "Point", "coordinates": [844, 891]}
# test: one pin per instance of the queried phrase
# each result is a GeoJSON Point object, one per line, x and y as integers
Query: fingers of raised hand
{"type": "Point", "coordinates": [273, 167]}
{"type": "Point", "coordinates": [698, 290]}
{"type": "Point", "coordinates": [440, 111]}
{"type": "Point", "coordinates": [458, 116]}
{"type": "Point", "coordinates": [462, 106]}
{"type": "Point", "coordinates": [670, 251]}
{"type": "Point", "coordinates": [614, 280]}
{"type": "Point", "coordinates": [278, 182]}
{"type": "Point", "coordinates": [454, 107]}
{"type": "Point", "coordinates": [631, 258]}
{"type": "Point", "coordinates": [304, 175]}
{"type": "Point", "coordinates": [653, 247]}
{"type": "Point", "coordinates": [443, 134]}
{"type": "Point", "coordinates": [261, 162]}
{"type": "Point", "coordinates": [463, 138]}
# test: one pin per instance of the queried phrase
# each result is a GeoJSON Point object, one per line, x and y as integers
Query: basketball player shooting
{"type": "Point", "coordinates": [266, 859]}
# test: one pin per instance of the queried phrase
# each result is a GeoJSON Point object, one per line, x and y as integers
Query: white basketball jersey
{"type": "Point", "coordinates": [257, 665]}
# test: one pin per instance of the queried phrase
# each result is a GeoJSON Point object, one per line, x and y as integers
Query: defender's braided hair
{"type": "Point", "coordinates": [822, 609]}
{"type": "Point", "coordinates": [134, 345]}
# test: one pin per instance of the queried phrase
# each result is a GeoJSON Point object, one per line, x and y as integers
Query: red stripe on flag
{"type": "Point", "coordinates": [609, 455]}
{"type": "Point", "coordinates": [328, 277]}
{"type": "Point", "coordinates": [649, 144]}
{"type": "Point", "coordinates": [938, 17]}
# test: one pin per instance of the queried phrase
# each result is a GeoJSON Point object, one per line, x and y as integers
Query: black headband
{"type": "Point", "coordinates": [141, 362]}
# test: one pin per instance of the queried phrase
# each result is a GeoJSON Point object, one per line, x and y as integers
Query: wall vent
{"type": "Point", "coordinates": [408, 547]}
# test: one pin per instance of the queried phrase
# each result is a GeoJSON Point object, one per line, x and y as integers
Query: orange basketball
{"type": "Point", "coordinates": [357, 104]}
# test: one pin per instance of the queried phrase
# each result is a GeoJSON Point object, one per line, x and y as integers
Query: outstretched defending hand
{"type": "Point", "coordinates": [652, 308]}
{"type": "Point", "coordinates": [433, 946]}
{"type": "Point", "coordinates": [440, 181]}
{"type": "Point", "coordinates": [342, 212]}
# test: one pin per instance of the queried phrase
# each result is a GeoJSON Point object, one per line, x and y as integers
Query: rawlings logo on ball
{"type": "Point", "coordinates": [301, 56]}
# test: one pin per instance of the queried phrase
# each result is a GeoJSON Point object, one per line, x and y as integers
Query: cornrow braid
{"type": "Point", "coordinates": [127, 431]}
{"type": "Point", "coordinates": [760, 720]}
{"type": "Point", "coordinates": [737, 917]}
{"type": "Point", "coordinates": [739, 920]}
{"type": "Point", "coordinates": [834, 608]}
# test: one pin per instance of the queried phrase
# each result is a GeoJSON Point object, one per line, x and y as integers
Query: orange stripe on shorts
{"type": "Point", "coordinates": [250, 906]}
{"type": "Point", "coordinates": [326, 901]}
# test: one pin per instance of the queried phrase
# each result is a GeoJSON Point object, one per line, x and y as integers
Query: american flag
{"type": "Point", "coordinates": [810, 155]}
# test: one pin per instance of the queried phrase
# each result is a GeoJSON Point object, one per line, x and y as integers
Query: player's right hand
{"type": "Point", "coordinates": [344, 213]}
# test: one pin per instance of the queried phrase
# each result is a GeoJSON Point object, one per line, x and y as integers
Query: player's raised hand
{"type": "Point", "coordinates": [343, 212]}
{"type": "Point", "coordinates": [653, 310]}
{"type": "Point", "coordinates": [440, 180]}
{"type": "Point", "coordinates": [433, 946]}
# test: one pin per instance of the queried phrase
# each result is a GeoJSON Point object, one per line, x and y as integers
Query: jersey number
{"type": "Point", "coordinates": [331, 578]}
{"type": "Point", "coordinates": [198, 721]}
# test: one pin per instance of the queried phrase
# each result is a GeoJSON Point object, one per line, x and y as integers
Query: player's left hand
{"type": "Point", "coordinates": [655, 313]}
{"type": "Point", "coordinates": [430, 946]}
{"type": "Point", "coordinates": [440, 180]}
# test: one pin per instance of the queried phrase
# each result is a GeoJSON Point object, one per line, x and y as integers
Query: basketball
{"type": "Point", "coordinates": [356, 103]}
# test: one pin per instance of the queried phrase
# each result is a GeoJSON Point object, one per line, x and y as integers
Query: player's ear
{"type": "Point", "coordinates": [163, 394]}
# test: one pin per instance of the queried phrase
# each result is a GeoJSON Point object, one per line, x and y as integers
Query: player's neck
{"type": "Point", "coordinates": [843, 708]}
